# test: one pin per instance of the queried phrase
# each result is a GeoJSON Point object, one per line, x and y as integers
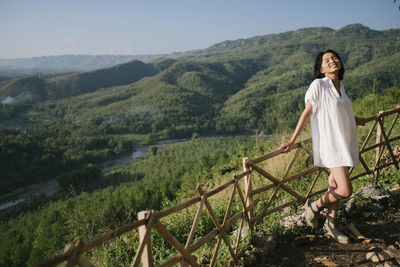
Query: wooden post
{"type": "Point", "coordinates": [247, 186]}
{"type": "Point", "coordinates": [378, 150]}
{"type": "Point", "coordinates": [147, 256]}
{"type": "Point", "coordinates": [194, 225]}
{"type": "Point", "coordinates": [75, 254]}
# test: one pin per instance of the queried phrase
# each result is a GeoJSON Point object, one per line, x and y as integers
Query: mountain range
{"type": "Point", "coordinates": [230, 87]}
{"type": "Point", "coordinates": [65, 63]}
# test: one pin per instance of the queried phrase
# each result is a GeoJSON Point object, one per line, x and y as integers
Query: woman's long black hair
{"type": "Point", "coordinates": [318, 63]}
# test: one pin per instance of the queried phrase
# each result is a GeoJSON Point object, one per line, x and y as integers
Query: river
{"type": "Point", "coordinates": [48, 188]}
{"type": "Point", "coordinates": [139, 152]}
{"type": "Point", "coordinates": [113, 164]}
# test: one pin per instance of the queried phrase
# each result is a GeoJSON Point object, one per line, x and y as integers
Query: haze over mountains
{"type": "Point", "coordinates": [71, 63]}
{"type": "Point", "coordinates": [66, 63]}
{"type": "Point", "coordinates": [233, 86]}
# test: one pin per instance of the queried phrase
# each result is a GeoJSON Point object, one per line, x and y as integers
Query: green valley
{"type": "Point", "coordinates": [63, 126]}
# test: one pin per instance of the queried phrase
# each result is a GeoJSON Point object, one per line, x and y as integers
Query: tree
{"type": "Point", "coordinates": [154, 150]}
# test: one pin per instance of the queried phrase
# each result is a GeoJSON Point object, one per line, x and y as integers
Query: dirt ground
{"type": "Point", "coordinates": [319, 250]}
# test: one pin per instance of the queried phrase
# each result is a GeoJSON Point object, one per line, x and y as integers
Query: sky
{"type": "Point", "coordinates": [34, 28]}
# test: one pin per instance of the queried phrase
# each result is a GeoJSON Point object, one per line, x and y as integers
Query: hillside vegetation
{"type": "Point", "coordinates": [160, 180]}
{"type": "Point", "coordinates": [233, 87]}
{"type": "Point", "coordinates": [230, 87]}
{"type": "Point", "coordinates": [62, 126]}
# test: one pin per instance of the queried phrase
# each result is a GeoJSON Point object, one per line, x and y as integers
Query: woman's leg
{"type": "Point", "coordinates": [339, 188]}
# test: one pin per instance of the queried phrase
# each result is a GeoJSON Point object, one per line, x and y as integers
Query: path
{"type": "Point", "coordinates": [318, 250]}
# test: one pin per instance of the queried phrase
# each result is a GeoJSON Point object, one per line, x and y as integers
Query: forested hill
{"type": "Point", "coordinates": [234, 86]}
{"type": "Point", "coordinates": [41, 88]}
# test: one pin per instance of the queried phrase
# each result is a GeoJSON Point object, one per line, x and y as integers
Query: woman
{"type": "Point", "coordinates": [334, 136]}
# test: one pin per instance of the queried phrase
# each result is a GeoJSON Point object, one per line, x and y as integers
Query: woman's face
{"type": "Point", "coordinates": [330, 64]}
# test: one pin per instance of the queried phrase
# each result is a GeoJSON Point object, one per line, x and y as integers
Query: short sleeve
{"type": "Point", "coordinates": [312, 95]}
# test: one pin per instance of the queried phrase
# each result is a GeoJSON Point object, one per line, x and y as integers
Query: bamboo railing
{"type": "Point", "coordinates": [249, 199]}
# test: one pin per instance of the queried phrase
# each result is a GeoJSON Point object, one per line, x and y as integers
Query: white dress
{"type": "Point", "coordinates": [333, 126]}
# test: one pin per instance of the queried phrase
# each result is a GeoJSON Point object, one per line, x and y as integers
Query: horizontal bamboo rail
{"type": "Point", "coordinates": [149, 220]}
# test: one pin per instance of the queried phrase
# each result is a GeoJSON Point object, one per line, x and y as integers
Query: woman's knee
{"type": "Point", "coordinates": [339, 193]}
{"type": "Point", "coordinates": [347, 192]}
{"type": "Point", "coordinates": [342, 181]}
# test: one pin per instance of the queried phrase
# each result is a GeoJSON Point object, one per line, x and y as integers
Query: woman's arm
{"type": "Point", "coordinates": [305, 116]}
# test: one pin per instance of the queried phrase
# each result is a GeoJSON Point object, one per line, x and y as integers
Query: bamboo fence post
{"type": "Point", "coordinates": [218, 226]}
{"type": "Point", "coordinates": [389, 147]}
{"type": "Point", "coordinates": [276, 181]}
{"type": "Point", "coordinates": [247, 187]}
{"type": "Point", "coordinates": [171, 239]}
{"type": "Point", "coordinates": [75, 254]}
{"type": "Point", "coordinates": [378, 150]}
{"type": "Point", "coordinates": [147, 256]}
{"type": "Point", "coordinates": [213, 259]}
{"type": "Point", "coordinates": [194, 225]}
